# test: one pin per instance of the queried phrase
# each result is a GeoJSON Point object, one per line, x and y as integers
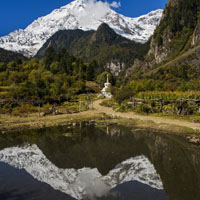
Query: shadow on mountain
{"type": "Point", "coordinates": [135, 190]}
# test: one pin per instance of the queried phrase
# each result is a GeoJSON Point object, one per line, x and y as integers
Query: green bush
{"type": "Point", "coordinates": [23, 110]}
{"type": "Point", "coordinates": [108, 103]}
{"type": "Point", "coordinates": [124, 94]}
{"type": "Point", "coordinates": [143, 108]}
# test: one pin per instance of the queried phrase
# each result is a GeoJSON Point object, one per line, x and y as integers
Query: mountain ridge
{"type": "Point", "coordinates": [110, 50]}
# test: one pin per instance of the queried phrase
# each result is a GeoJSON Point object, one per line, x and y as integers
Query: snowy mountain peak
{"type": "Point", "coordinates": [84, 15]}
{"type": "Point", "coordinates": [80, 2]}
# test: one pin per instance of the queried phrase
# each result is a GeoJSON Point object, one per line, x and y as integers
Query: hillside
{"type": "Point", "coordinates": [7, 56]}
{"type": "Point", "coordinates": [56, 77]}
{"type": "Point", "coordinates": [103, 45]}
{"type": "Point", "coordinates": [178, 31]}
{"type": "Point", "coordinates": [181, 73]}
{"type": "Point", "coordinates": [173, 56]}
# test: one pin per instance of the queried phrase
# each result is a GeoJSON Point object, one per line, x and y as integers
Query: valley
{"type": "Point", "coordinates": [96, 105]}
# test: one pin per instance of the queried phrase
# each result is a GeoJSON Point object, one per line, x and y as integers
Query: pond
{"type": "Point", "coordinates": [98, 161]}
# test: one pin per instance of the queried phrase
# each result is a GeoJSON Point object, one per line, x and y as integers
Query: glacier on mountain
{"type": "Point", "coordinates": [84, 15]}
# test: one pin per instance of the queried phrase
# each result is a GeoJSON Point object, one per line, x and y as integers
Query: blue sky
{"type": "Point", "coordinates": [16, 14]}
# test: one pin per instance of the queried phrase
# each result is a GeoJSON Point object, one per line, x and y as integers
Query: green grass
{"type": "Point", "coordinates": [189, 118]}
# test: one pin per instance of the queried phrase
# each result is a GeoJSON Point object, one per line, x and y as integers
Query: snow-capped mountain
{"type": "Point", "coordinates": [80, 183]}
{"type": "Point", "coordinates": [84, 15]}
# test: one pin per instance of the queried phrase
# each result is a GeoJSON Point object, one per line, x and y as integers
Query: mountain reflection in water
{"type": "Point", "coordinates": [105, 163]}
{"type": "Point", "coordinates": [83, 182]}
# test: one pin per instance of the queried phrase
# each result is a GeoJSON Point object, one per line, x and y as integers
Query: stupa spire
{"type": "Point", "coordinates": [107, 79]}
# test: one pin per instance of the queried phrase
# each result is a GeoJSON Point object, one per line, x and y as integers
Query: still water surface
{"type": "Point", "coordinates": [97, 162]}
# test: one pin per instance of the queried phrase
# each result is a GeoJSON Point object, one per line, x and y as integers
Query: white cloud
{"type": "Point", "coordinates": [92, 184]}
{"type": "Point", "coordinates": [93, 9]}
{"type": "Point", "coordinates": [115, 4]}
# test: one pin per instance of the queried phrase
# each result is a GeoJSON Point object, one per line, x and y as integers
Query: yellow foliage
{"type": "Point", "coordinates": [169, 95]}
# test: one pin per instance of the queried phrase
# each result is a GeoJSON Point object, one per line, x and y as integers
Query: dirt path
{"type": "Point", "coordinates": [131, 115]}
{"type": "Point", "coordinates": [32, 121]}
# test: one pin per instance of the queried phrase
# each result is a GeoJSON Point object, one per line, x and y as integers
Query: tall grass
{"type": "Point", "coordinates": [169, 95]}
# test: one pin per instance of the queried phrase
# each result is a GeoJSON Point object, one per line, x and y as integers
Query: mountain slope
{"type": "Point", "coordinates": [183, 71]}
{"type": "Point", "coordinates": [104, 45]}
{"type": "Point", "coordinates": [173, 59]}
{"type": "Point", "coordinates": [63, 39]}
{"type": "Point", "coordinates": [7, 56]}
{"type": "Point", "coordinates": [84, 15]}
{"type": "Point", "coordinates": [178, 30]}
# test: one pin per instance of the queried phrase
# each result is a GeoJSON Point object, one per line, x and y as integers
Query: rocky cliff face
{"type": "Point", "coordinates": [179, 27]}
{"type": "Point", "coordinates": [115, 67]}
{"type": "Point", "coordinates": [196, 34]}
{"type": "Point", "coordinates": [160, 53]}
{"type": "Point", "coordinates": [157, 52]}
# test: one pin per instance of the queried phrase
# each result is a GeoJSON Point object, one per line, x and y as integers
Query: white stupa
{"type": "Point", "coordinates": [105, 91]}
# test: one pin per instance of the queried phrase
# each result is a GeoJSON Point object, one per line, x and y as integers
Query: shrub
{"type": "Point", "coordinates": [108, 103]}
{"type": "Point", "coordinates": [124, 94]}
{"type": "Point", "coordinates": [143, 108]}
{"type": "Point", "coordinates": [23, 109]}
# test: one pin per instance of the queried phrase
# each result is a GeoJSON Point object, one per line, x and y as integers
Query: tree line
{"type": "Point", "coordinates": [58, 75]}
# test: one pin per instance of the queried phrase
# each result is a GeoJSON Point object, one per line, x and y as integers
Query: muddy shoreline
{"type": "Point", "coordinates": [10, 123]}
{"type": "Point", "coordinates": [34, 122]}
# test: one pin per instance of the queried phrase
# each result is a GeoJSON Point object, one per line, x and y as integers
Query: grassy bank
{"type": "Point", "coordinates": [12, 123]}
{"type": "Point", "coordinates": [102, 114]}
{"type": "Point", "coordinates": [164, 128]}
{"type": "Point", "coordinates": [33, 121]}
